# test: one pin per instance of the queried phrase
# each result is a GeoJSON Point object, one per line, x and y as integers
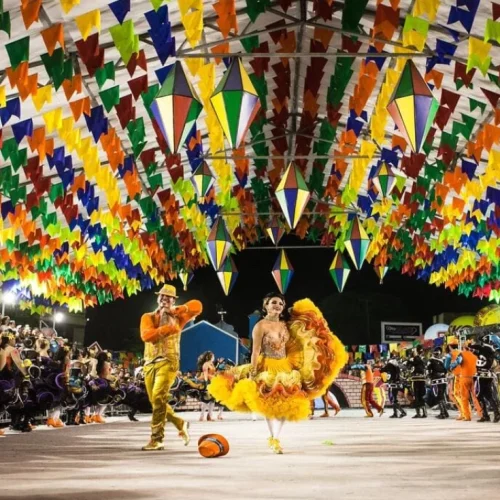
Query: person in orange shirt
{"type": "Point", "coordinates": [161, 333]}
{"type": "Point", "coordinates": [466, 360]}
{"type": "Point", "coordinates": [367, 399]}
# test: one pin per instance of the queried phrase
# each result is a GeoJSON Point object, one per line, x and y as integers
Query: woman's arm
{"type": "Point", "coordinates": [257, 336]}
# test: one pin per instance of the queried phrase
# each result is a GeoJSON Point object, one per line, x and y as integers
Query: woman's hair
{"type": "Point", "coordinates": [203, 358]}
{"type": "Point", "coordinates": [102, 357]}
{"type": "Point", "coordinates": [4, 342]}
{"type": "Point", "coordinates": [267, 298]}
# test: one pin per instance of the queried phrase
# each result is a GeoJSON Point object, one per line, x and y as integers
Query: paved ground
{"type": "Point", "coordinates": [347, 457]}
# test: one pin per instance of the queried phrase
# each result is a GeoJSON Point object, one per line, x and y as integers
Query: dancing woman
{"type": "Point", "coordinates": [292, 362]}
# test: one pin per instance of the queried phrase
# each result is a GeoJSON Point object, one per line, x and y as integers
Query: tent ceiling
{"type": "Point", "coordinates": [321, 69]}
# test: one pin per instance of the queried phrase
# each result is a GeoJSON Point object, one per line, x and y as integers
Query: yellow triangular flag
{"type": "Point", "coordinates": [67, 5]}
{"type": "Point", "coordinates": [42, 96]}
{"type": "Point", "coordinates": [53, 120]}
{"type": "Point", "coordinates": [87, 21]}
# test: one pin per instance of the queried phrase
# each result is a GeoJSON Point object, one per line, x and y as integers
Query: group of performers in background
{"type": "Point", "coordinates": [464, 377]}
{"type": "Point", "coordinates": [295, 359]}
{"type": "Point", "coordinates": [45, 379]}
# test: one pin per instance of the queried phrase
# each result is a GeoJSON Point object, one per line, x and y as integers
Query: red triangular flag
{"type": "Point", "coordinates": [138, 85]}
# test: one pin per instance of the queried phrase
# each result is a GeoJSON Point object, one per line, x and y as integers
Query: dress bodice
{"type": "Point", "coordinates": [273, 347]}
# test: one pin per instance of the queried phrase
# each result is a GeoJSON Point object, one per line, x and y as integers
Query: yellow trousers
{"type": "Point", "coordinates": [159, 377]}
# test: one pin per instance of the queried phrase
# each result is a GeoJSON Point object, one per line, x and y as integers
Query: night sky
{"type": "Point", "coordinates": [354, 315]}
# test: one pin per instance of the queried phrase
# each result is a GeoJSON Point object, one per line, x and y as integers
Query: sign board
{"type": "Point", "coordinates": [400, 332]}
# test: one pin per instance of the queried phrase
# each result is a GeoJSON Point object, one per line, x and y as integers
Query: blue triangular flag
{"type": "Point", "coordinates": [120, 9]}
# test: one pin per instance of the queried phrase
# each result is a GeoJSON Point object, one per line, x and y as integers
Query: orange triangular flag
{"type": "Point", "coordinates": [53, 35]}
{"type": "Point", "coordinates": [29, 87]}
{"type": "Point", "coordinates": [30, 10]}
{"type": "Point", "coordinates": [79, 107]}
{"type": "Point", "coordinates": [72, 86]}
{"type": "Point", "coordinates": [37, 138]}
{"type": "Point", "coordinates": [20, 74]}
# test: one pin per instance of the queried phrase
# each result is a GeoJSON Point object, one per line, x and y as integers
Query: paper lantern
{"type": "Point", "coordinates": [381, 271]}
{"type": "Point", "coordinates": [413, 107]}
{"type": "Point", "coordinates": [357, 242]}
{"type": "Point", "coordinates": [218, 244]}
{"type": "Point", "coordinates": [275, 230]}
{"type": "Point", "coordinates": [236, 103]}
{"type": "Point", "coordinates": [227, 275]}
{"type": "Point", "coordinates": [185, 278]}
{"type": "Point", "coordinates": [339, 271]}
{"type": "Point", "coordinates": [292, 194]}
{"type": "Point", "coordinates": [202, 180]}
{"type": "Point", "coordinates": [384, 180]}
{"type": "Point", "coordinates": [176, 108]}
{"type": "Point", "coordinates": [282, 272]}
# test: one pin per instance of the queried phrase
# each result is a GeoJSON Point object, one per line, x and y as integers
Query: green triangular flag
{"type": "Point", "coordinates": [155, 181]}
{"type": "Point", "coordinates": [107, 72]}
{"type": "Point", "coordinates": [110, 97]}
{"type": "Point", "coordinates": [19, 159]}
{"type": "Point", "coordinates": [5, 22]}
{"type": "Point", "coordinates": [473, 104]}
{"type": "Point", "coordinates": [156, 4]}
{"type": "Point", "coordinates": [18, 51]}
{"type": "Point", "coordinates": [56, 191]}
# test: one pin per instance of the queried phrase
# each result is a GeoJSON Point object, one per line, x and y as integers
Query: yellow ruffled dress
{"type": "Point", "coordinates": [283, 388]}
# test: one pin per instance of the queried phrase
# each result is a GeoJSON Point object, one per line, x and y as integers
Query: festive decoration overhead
{"type": "Point", "coordinates": [292, 195]}
{"type": "Point", "coordinates": [282, 271]}
{"type": "Point", "coordinates": [114, 178]}
{"type": "Point", "coordinates": [176, 107]}
{"type": "Point", "coordinates": [384, 180]}
{"type": "Point", "coordinates": [227, 275]}
{"type": "Point", "coordinates": [218, 244]}
{"type": "Point", "coordinates": [236, 103]}
{"type": "Point", "coordinates": [381, 272]}
{"type": "Point", "coordinates": [185, 278]}
{"type": "Point", "coordinates": [413, 107]}
{"type": "Point", "coordinates": [202, 180]}
{"type": "Point", "coordinates": [339, 271]}
{"type": "Point", "coordinates": [275, 230]}
{"type": "Point", "coordinates": [357, 242]}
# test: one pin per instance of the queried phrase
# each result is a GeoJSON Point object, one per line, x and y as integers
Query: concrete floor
{"type": "Point", "coordinates": [347, 457]}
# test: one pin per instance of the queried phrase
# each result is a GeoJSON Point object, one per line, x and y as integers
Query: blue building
{"type": "Point", "coordinates": [203, 336]}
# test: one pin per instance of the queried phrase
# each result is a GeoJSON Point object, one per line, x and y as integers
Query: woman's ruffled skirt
{"type": "Point", "coordinates": [283, 388]}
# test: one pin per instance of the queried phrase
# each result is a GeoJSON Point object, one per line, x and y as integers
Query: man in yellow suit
{"type": "Point", "coordinates": [161, 332]}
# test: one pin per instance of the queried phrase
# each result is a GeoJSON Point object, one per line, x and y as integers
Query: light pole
{"type": "Point", "coordinates": [8, 298]}
{"type": "Point", "coordinates": [57, 318]}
